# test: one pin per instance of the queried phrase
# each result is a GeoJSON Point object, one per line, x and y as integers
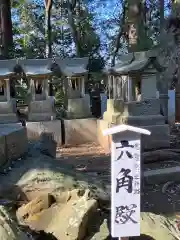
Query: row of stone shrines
{"type": "Point", "coordinates": [132, 85]}
{"type": "Point", "coordinates": [39, 72]}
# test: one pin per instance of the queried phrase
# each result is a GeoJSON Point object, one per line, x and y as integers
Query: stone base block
{"type": "Point", "coordinates": [78, 108]}
{"type": "Point", "coordinates": [8, 118]}
{"type": "Point", "coordinates": [104, 141]}
{"type": "Point", "coordinates": [16, 143]}
{"type": "Point", "coordinates": [159, 138]}
{"type": "Point", "coordinates": [41, 110]}
{"type": "Point", "coordinates": [41, 117]}
{"type": "Point", "coordinates": [146, 120]}
{"type": "Point", "coordinates": [161, 175]}
{"type": "Point", "coordinates": [2, 150]}
{"type": "Point", "coordinates": [80, 131]}
{"type": "Point", "coordinates": [35, 130]}
{"type": "Point", "coordinates": [13, 142]}
{"type": "Point", "coordinates": [143, 120]}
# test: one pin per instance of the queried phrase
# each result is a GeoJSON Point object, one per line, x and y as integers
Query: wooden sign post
{"type": "Point", "coordinates": [125, 180]}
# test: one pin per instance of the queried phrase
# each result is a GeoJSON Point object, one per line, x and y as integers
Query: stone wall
{"type": "Point", "coordinates": [13, 142]}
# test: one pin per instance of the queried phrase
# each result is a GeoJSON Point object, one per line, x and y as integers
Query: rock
{"type": "Point", "coordinates": [158, 227]}
{"type": "Point", "coordinates": [103, 232]}
{"type": "Point", "coordinates": [9, 229]}
{"type": "Point", "coordinates": [48, 144]}
{"type": "Point", "coordinates": [67, 219]}
{"type": "Point", "coordinates": [60, 180]}
{"type": "Point", "coordinates": [35, 206]}
{"type": "Point", "coordinates": [75, 214]}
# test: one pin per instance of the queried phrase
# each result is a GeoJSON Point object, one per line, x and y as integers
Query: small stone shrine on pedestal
{"type": "Point", "coordinates": [75, 72]}
{"type": "Point", "coordinates": [40, 105]}
{"type": "Point", "coordinates": [132, 87]}
{"type": "Point", "coordinates": [7, 108]}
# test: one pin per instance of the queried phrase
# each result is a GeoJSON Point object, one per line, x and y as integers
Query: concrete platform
{"type": "Point", "coordinates": [80, 131]}
{"type": "Point", "coordinates": [36, 129]}
{"type": "Point", "coordinates": [13, 142]}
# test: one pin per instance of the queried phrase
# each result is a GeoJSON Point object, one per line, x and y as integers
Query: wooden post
{"type": "Point", "coordinates": [125, 180]}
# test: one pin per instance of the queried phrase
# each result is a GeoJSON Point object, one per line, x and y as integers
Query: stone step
{"type": "Point", "coordinates": [143, 120]}
{"type": "Point", "coordinates": [162, 175]}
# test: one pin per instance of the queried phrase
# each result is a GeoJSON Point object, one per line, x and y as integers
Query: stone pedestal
{"type": "Point", "coordinates": [142, 114]}
{"type": "Point", "coordinates": [7, 114]}
{"type": "Point", "coordinates": [41, 107]}
{"type": "Point", "coordinates": [78, 108]}
{"type": "Point", "coordinates": [41, 110]}
{"type": "Point", "coordinates": [7, 106]}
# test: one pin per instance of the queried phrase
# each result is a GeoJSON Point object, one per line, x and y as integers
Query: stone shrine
{"type": "Point", "coordinates": [132, 86]}
{"type": "Point", "coordinates": [40, 104]}
{"type": "Point", "coordinates": [7, 105]}
{"type": "Point", "coordinates": [75, 72]}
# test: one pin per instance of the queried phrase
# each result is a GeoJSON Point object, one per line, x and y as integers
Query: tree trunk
{"type": "Point", "coordinates": [119, 35]}
{"type": "Point", "coordinates": [161, 14]}
{"type": "Point", "coordinates": [48, 29]}
{"type": "Point", "coordinates": [75, 34]}
{"type": "Point", "coordinates": [136, 28]}
{"type": "Point", "coordinates": [48, 35]}
{"type": "Point", "coordinates": [6, 36]}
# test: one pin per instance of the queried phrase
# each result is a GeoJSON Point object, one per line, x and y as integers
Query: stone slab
{"type": "Point", "coordinates": [13, 142]}
{"type": "Point", "coordinates": [2, 150]}
{"type": "Point", "coordinates": [146, 107]}
{"type": "Point", "coordinates": [159, 138]}
{"type": "Point", "coordinates": [104, 141]}
{"type": "Point", "coordinates": [80, 131]}
{"type": "Point", "coordinates": [142, 120]}
{"type": "Point", "coordinates": [8, 118]}
{"type": "Point", "coordinates": [162, 175]}
{"type": "Point", "coordinates": [16, 143]}
{"type": "Point", "coordinates": [41, 110]}
{"type": "Point", "coordinates": [78, 108]}
{"type": "Point", "coordinates": [40, 116]}
{"type": "Point", "coordinates": [36, 129]}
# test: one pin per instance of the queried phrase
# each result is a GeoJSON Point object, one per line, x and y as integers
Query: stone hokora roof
{"type": "Point", "coordinates": [136, 62]}
{"type": "Point", "coordinates": [36, 67]}
{"type": "Point", "coordinates": [72, 66]}
{"type": "Point", "coordinates": [7, 67]}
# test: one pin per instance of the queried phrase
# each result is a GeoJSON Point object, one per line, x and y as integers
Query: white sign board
{"type": "Point", "coordinates": [125, 180]}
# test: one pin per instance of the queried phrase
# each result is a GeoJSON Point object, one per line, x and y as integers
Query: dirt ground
{"type": "Point", "coordinates": [90, 159]}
